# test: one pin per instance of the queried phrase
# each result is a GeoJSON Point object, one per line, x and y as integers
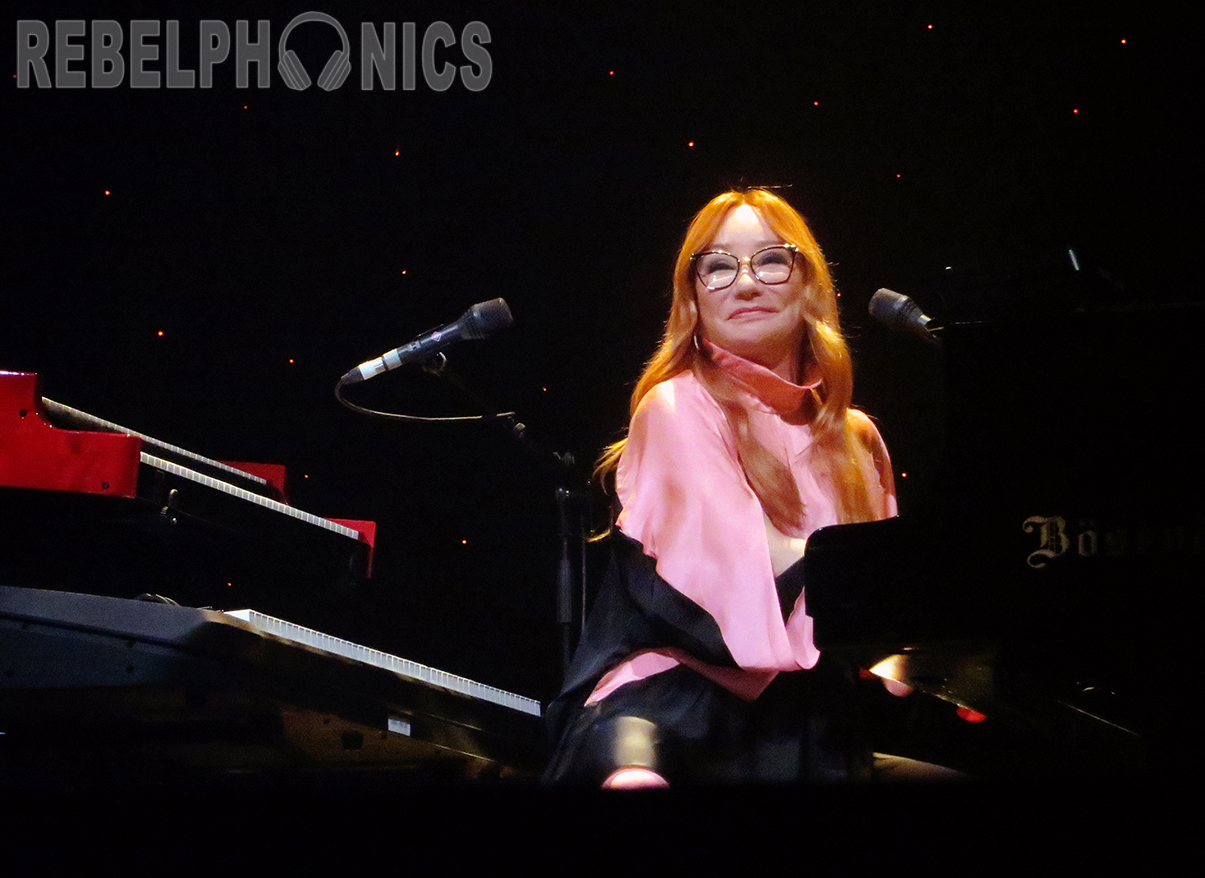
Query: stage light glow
{"type": "Point", "coordinates": [890, 668]}
{"type": "Point", "coordinates": [971, 716]}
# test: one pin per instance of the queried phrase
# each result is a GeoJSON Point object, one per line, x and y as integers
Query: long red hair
{"type": "Point", "coordinates": [840, 443]}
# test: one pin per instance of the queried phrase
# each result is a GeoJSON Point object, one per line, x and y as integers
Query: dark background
{"type": "Point", "coordinates": [254, 244]}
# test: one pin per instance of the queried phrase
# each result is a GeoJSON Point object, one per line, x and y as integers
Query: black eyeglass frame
{"type": "Point", "coordinates": [694, 263]}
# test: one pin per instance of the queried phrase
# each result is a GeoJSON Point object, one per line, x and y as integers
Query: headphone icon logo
{"type": "Point", "coordinates": [336, 68]}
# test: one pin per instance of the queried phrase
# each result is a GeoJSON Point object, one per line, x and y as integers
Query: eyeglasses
{"type": "Point", "coordinates": [770, 265]}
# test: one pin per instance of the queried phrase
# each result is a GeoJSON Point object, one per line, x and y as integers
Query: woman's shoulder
{"type": "Point", "coordinates": [677, 407]}
{"type": "Point", "coordinates": [860, 421]}
{"type": "Point", "coordinates": [863, 428]}
{"type": "Point", "coordinates": [673, 395]}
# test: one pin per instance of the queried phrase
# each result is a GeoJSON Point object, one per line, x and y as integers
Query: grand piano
{"type": "Point", "coordinates": [168, 619]}
{"type": "Point", "coordinates": [1042, 580]}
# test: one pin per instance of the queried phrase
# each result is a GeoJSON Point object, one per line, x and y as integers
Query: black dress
{"type": "Point", "coordinates": [805, 727]}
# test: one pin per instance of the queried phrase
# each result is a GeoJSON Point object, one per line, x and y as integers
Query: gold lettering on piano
{"type": "Point", "coordinates": [1087, 540]}
{"type": "Point", "coordinates": [1052, 532]}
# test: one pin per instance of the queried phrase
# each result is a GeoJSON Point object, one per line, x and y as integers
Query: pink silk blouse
{"type": "Point", "coordinates": [686, 500]}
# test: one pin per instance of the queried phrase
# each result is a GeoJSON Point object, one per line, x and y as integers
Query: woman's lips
{"type": "Point", "coordinates": [740, 311]}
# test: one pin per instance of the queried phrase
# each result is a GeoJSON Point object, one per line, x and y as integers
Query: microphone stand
{"type": "Point", "coordinates": [572, 499]}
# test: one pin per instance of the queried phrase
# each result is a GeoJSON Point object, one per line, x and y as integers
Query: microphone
{"type": "Point", "coordinates": [480, 321]}
{"type": "Point", "coordinates": [897, 311]}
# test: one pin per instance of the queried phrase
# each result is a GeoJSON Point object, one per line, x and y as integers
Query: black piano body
{"type": "Point", "coordinates": [1044, 579]}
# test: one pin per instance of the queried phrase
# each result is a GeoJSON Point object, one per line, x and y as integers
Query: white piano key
{"type": "Point", "coordinates": [243, 494]}
{"type": "Point", "coordinates": [400, 666]}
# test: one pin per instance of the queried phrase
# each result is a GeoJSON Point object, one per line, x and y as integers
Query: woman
{"type": "Point", "coordinates": [742, 443]}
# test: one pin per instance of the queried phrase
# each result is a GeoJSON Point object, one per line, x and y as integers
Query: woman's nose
{"type": "Point", "coordinates": [745, 281]}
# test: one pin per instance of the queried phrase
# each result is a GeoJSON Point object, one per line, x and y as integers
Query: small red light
{"type": "Point", "coordinates": [971, 716]}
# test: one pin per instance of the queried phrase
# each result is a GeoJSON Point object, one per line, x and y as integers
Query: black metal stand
{"type": "Point", "coordinates": [572, 502]}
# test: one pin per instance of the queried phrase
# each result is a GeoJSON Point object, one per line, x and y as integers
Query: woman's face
{"type": "Point", "coordinates": [758, 321]}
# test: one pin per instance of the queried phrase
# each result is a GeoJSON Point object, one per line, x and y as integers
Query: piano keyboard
{"type": "Point", "coordinates": [400, 666]}
{"type": "Point", "coordinates": [75, 416]}
{"type": "Point", "coordinates": [200, 531]}
{"type": "Point", "coordinates": [242, 494]}
{"type": "Point", "coordinates": [173, 689]}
